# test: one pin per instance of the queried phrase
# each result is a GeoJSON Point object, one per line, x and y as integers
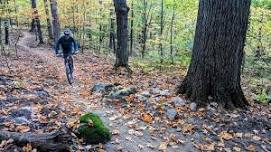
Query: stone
{"type": "Point", "coordinates": [93, 130]}
{"type": "Point", "coordinates": [21, 121]}
{"type": "Point", "coordinates": [171, 114]}
{"type": "Point", "coordinates": [142, 98]}
{"type": "Point", "coordinates": [193, 107]}
{"type": "Point", "coordinates": [214, 104]}
{"type": "Point", "coordinates": [3, 119]}
{"type": "Point", "coordinates": [177, 101]}
{"type": "Point", "coordinates": [146, 94]}
{"type": "Point", "coordinates": [22, 112]}
{"type": "Point", "coordinates": [122, 92]}
{"type": "Point", "coordinates": [42, 93]}
{"type": "Point", "coordinates": [164, 93]}
{"type": "Point", "coordinates": [102, 87]}
{"type": "Point", "coordinates": [155, 91]}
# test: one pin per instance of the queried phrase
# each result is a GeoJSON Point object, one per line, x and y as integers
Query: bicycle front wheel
{"type": "Point", "coordinates": [69, 70]}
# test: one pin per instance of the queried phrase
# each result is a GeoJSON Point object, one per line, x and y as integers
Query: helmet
{"type": "Point", "coordinates": [67, 32]}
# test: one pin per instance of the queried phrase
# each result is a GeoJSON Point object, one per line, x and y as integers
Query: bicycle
{"type": "Point", "coordinates": [68, 62]}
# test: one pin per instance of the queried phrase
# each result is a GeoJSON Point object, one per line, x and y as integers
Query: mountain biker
{"type": "Point", "coordinates": [67, 43]}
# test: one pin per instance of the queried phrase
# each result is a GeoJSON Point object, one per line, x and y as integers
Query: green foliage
{"type": "Point", "coordinates": [262, 97]}
{"type": "Point", "coordinates": [262, 3]}
{"type": "Point", "coordinates": [93, 130]}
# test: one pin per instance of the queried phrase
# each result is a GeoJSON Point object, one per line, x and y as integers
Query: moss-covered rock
{"type": "Point", "coordinates": [93, 130]}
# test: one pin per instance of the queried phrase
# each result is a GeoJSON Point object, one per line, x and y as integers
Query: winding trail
{"type": "Point", "coordinates": [124, 140]}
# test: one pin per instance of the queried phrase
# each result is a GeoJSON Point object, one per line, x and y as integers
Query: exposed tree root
{"type": "Point", "coordinates": [43, 142]}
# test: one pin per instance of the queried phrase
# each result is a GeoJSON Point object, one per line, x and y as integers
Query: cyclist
{"type": "Point", "coordinates": [67, 43]}
{"type": "Point", "coordinates": [69, 47]}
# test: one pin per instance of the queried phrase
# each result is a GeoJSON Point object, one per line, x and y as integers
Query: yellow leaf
{"type": "Point", "coordinates": [251, 148]}
{"type": "Point", "coordinates": [147, 117]}
{"type": "Point", "coordinates": [163, 146]}
{"type": "Point", "coordinates": [206, 147]}
{"type": "Point", "coordinates": [225, 135]}
{"type": "Point", "coordinates": [187, 128]}
{"type": "Point", "coordinates": [257, 138]}
{"type": "Point", "coordinates": [22, 128]}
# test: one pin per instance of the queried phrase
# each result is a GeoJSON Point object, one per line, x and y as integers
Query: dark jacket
{"type": "Point", "coordinates": [68, 45]}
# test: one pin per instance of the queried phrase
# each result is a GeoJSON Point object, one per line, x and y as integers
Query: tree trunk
{"type": "Point", "coordinates": [6, 33]}
{"type": "Point", "coordinates": [0, 29]}
{"type": "Point", "coordinates": [112, 44]}
{"type": "Point", "coordinates": [122, 54]}
{"type": "Point", "coordinates": [132, 29]}
{"type": "Point", "coordinates": [49, 25]}
{"type": "Point", "coordinates": [39, 31]}
{"type": "Point", "coordinates": [144, 29]}
{"type": "Point", "coordinates": [56, 24]}
{"type": "Point", "coordinates": [214, 72]}
{"type": "Point", "coordinates": [161, 32]}
{"type": "Point", "coordinates": [171, 31]}
{"type": "Point", "coordinates": [34, 8]}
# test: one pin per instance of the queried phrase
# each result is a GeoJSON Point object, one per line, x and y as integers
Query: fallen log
{"type": "Point", "coordinates": [43, 142]}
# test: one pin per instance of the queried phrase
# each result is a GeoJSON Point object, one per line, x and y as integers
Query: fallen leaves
{"type": "Point", "coordinates": [225, 135]}
{"type": "Point", "coordinates": [187, 128]}
{"type": "Point", "coordinates": [163, 146]}
{"type": "Point", "coordinates": [146, 117]}
{"type": "Point", "coordinates": [115, 132]}
{"type": "Point", "coordinates": [206, 147]}
{"type": "Point", "coordinates": [5, 143]}
{"type": "Point", "coordinates": [22, 129]}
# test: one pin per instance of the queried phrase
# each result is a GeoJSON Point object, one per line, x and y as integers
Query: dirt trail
{"type": "Point", "coordinates": [125, 141]}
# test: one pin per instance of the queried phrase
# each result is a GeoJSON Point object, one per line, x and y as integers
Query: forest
{"type": "Point", "coordinates": [140, 75]}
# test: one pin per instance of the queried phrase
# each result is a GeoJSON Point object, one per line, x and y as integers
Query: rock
{"type": "Point", "coordinates": [214, 104]}
{"type": "Point", "coordinates": [164, 93]}
{"type": "Point", "coordinates": [146, 94]}
{"type": "Point", "coordinates": [22, 112]}
{"type": "Point", "coordinates": [42, 93]}
{"type": "Point", "coordinates": [21, 120]}
{"type": "Point", "coordinates": [92, 129]}
{"type": "Point", "coordinates": [3, 119]}
{"type": "Point", "coordinates": [178, 101]}
{"type": "Point", "coordinates": [171, 114]}
{"type": "Point", "coordinates": [142, 98]}
{"type": "Point", "coordinates": [193, 107]}
{"type": "Point", "coordinates": [122, 92]}
{"type": "Point", "coordinates": [102, 87]}
{"type": "Point", "coordinates": [155, 91]}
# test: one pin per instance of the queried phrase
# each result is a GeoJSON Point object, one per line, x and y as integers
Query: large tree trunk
{"type": "Point", "coordinates": [56, 24]}
{"type": "Point", "coordinates": [49, 25]}
{"type": "Point", "coordinates": [214, 72]}
{"type": "Point", "coordinates": [122, 54]}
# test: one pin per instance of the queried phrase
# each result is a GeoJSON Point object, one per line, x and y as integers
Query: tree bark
{"type": "Point", "coordinates": [55, 20]}
{"type": "Point", "coordinates": [161, 32]}
{"type": "Point", "coordinates": [132, 29]}
{"type": "Point", "coordinates": [43, 142]}
{"type": "Point", "coordinates": [214, 72]}
{"type": "Point", "coordinates": [0, 29]}
{"type": "Point", "coordinates": [112, 43]}
{"type": "Point", "coordinates": [122, 54]}
{"type": "Point", "coordinates": [171, 30]}
{"type": "Point", "coordinates": [6, 33]}
{"type": "Point", "coordinates": [49, 25]}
